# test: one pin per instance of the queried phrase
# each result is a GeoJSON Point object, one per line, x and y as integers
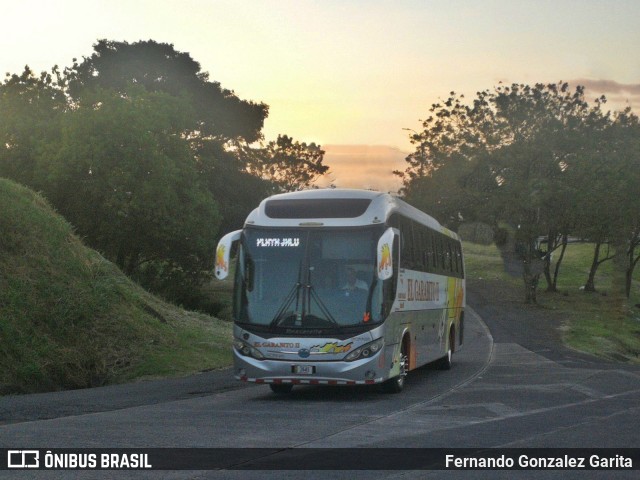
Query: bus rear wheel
{"type": "Point", "coordinates": [281, 388]}
{"type": "Point", "coordinates": [446, 362]}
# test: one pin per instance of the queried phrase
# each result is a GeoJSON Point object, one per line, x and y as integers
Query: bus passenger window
{"type": "Point", "coordinates": [434, 254]}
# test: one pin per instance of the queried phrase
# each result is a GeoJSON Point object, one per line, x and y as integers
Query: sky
{"type": "Point", "coordinates": [351, 75]}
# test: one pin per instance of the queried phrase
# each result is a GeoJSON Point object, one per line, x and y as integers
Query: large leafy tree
{"type": "Point", "coordinates": [616, 175]}
{"type": "Point", "coordinates": [447, 174]}
{"type": "Point", "coordinates": [159, 67]}
{"type": "Point", "coordinates": [629, 127]}
{"type": "Point", "coordinates": [507, 155]}
{"type": "Point", "coordinates": [540, 128]}
{"type": "Point", "coordinates": [124, 175]}
{"type": "Point", "coordinates": [145, 155]}
{"type": "Point", "coordinates": [222, 124]}
{"type": "Point", "coordinates": [224, 130]}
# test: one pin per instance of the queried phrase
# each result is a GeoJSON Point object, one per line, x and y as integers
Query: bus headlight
{"type": "Point", "coordinates": [243, 348]}
{"type": "Point", "coordinates": [365, 351]}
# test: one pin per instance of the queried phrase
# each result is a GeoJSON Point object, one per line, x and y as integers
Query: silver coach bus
{"type": "Point", "coordinates": [342, 287]}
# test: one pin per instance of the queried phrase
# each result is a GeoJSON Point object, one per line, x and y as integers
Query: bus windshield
{"type": "Point", "coordinates": [313, 278]}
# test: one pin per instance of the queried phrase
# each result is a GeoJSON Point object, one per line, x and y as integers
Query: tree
{"type": "Point", "coordinates": [30, 109]}
{"type": "Point", "coordinates": [517, 142]}
{"type": "Point", "coordinates": [225, 174]}
{"type": "Point", "coordinates": [224, 127]}
{"type": "Point", "coordinates": [445, 163]}
{"type": "Point", "coordinates": [158, 67]}
{"type": "Point", "coordinates": [599, 175]}
{"type": "Point", "coordinates": [124, 176]}
{"type": "Point", "coordinates": [289, 164]}
{"type": "Point", "coordinates": [143, 153]}
{"type": "Point", "coordinates": [624, 154]}
{"type": "Point", "coordinates": [548, 126]}
{"type": "Point", "coordinates": [443, 193]}
{"type": "Point", "coordinates": [449, 130]}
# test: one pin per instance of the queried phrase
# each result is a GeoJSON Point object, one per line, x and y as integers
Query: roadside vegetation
{"type": "Point", "coordinates": [69, 318]}
{"type": "Point", "coordinates": [604, 323]}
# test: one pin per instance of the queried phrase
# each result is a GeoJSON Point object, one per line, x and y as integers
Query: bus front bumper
{"type": "Point", "coordinates": [367, 371]}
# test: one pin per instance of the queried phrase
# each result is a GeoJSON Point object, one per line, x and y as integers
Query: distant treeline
{"type": "Point", "coordinates": [147, 157]}
{"type": "Point", "coordinates": [542, 161]}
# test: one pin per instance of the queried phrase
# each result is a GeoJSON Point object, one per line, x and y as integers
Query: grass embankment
{"type": "Point", "coordinates": [71, 319]}
{"type": "Point", "coordinates": [604, 323]}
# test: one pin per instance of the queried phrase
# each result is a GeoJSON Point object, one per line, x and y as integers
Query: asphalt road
{"type": "Point", "coordinates": [503, 391]}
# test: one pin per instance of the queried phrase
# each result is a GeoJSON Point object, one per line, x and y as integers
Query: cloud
{"type": "Point", "coordinates": [609, 86]}
{"type": "Point", "coordinates": [618, 95]}
{"type": "Point", "coordinates": [363, 166]}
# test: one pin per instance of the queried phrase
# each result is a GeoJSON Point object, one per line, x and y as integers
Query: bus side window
{"type": "Point", "coordinates": [460, 260]}
{"type": "Point", "coordinates": [454, 258]}
{"type": "Point", "coordinates": [426, 248]}
{"type": "Point", "coordinates": [445, 255]}
{"type": "Point", "coordinates": [418, 242]}
{"type": "Point", "coordinates": [413, 245]}
{"type": "Point", "coordinates": [434, 254]}
{"type": "Point", "coordinates": [439, 254]}
{"type": "Point", "coordinates": [404, 243]}
{"type": "Point", "coordinates": [408, 250]}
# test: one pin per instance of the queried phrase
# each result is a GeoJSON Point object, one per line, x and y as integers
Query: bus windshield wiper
{"type": "Point", "coordinates": [291, 296]}
{"type": "Point", "coordinates": [323, 308]}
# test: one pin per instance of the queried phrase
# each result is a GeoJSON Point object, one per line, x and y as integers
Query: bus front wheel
{"type": "Point", "coordinates": [396, 384]}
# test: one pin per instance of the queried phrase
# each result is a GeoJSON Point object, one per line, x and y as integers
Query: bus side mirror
{"type": "Point", "coordinates": [385, 255]}
{"type": "Point", "coordinates": [223, 252]}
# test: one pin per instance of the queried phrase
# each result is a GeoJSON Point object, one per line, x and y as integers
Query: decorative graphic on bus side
{"type": "Point", "coordinates": [221, 265]}
{"type": "Point", "coordinates": [386, 258]}
{"type": "Point", "coordinates": [455, 296]}
{"type": "Point", "coordinates": [384, 255]}
{"type": "Point", "coordinates": [333, 347]}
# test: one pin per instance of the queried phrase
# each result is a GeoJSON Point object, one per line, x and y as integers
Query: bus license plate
{"type": "Point", "coordinates": [303, 369]}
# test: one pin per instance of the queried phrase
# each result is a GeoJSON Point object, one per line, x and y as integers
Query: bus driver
{"type": "Point", "coordinates": [353, 282]}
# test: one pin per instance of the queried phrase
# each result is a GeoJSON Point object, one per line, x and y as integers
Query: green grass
{"type": "Point", "coordinates": [483, 262]}
{"type": "Point", "coordinates": [603, 323]}
{"type": "Point", "coordinates": [71, 319]}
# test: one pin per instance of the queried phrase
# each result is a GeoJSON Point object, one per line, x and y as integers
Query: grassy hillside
{"type": "Point", "coordinates": [604, 323]}
{"type": "Point", "coordinates": [71, 319]}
